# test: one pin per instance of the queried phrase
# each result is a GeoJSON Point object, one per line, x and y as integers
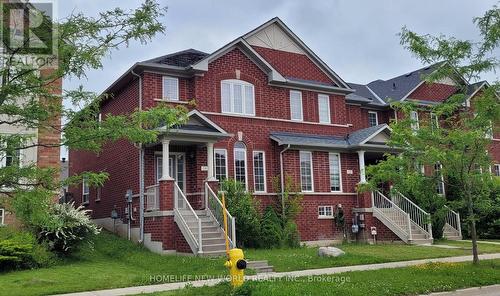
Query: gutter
{"type": "Point", "coordinates": [141, 169]}
{"type": "Point", "coordinates": [282, 177]}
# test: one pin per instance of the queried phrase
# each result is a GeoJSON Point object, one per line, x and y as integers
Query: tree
{"type": "Point", "coordinates": [456, 148]}
{"type": "Point", "coordinates": [29, 99]}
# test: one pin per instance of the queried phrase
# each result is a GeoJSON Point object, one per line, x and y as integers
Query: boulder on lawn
{"type": "Point", "coordinates": [330, 252]}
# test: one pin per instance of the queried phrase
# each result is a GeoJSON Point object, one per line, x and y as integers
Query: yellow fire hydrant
{"type": "Point", "coordinates": [237, 265]}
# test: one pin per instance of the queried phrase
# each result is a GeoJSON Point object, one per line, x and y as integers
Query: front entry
{"type": "Point", "coordinates": [177, 168]}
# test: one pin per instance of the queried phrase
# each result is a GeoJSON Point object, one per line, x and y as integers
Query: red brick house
{"type": "Point", "coordinates": [266, 106]}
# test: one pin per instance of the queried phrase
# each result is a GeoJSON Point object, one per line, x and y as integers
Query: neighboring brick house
{"type": "Point", "coordinates": [266, 106]}
{"type": "Point", "coordinates": [41, 153]}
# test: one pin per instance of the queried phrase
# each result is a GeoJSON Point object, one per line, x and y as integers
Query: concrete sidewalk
{"type": "Point", "coordinates": [290, 274]}
{"type": "Point", "coordinates": [479, 291]}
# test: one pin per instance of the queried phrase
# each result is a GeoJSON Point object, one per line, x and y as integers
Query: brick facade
{"type": "Point", "coordinates": [272, 114]}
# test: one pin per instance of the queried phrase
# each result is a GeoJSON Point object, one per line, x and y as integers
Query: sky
{"type": "Point", "coordinates": [357, 39]}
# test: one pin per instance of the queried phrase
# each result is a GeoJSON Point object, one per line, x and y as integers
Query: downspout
{"type": "Point", "coordinates": [282, 177]}
{"type": "Point", "coordinates": [141, 170]}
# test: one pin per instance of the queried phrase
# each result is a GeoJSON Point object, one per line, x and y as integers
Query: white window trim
{"type": "Point", "coordinates": [434, 120]}
{"type": "Point", "coordinates": [325, 216]}
{"type": "Point", "coordinates": [301, 106]}
{"type": "Point", "coordinates": [158, 154]}
{"type": "Point", "coordinates": [164, 98]}
{"type": "Point", "coordinates": [243, 83]}
{"type": "Point", "coordinates": [246, 165]}
{"type": "Point", "coordinates": [2, 217]}
{"type": "Point", "coordinates": [225, 161]}
{"type": "Point", "coordinates": [376, 117]}
{"type": "Point", "coordinates": [441, 182]}
{"type": "Point", "coordinates": [264, 170]}
{"type": "Point", "coordinates": [495, 167]}
{"type": "Point", "coordinates": [312, 172]}
{"type": "Point", "coordinates": [327, 97]}
{"type": "Point", "coordinates": [98, 193]}
{"type": "Point", "coordinates": [415, 125]}
{"type": "Point", "coordinates": [340, 170]}
{"type": "Point", "coordinates": [85, 185]}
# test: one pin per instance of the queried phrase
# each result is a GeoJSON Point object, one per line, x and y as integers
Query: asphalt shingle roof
{"type": "Point", "coordinates": [398, 87]}
{"type": "Point", "coordinates": [183, 58]}
{"type": "Point", "coordinates": [299, 139]}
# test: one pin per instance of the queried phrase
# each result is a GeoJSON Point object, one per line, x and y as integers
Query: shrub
{"type": "Point", "coordinates": [271, 233]}
{"type": "Point", "coordinates": [68, 228]}
{"type": "Point", "coordinates": [291, 236]}
{"type": "Point", "coordinates": [243, 206]}
{"type": "Point", "coordinates": [20, 250]}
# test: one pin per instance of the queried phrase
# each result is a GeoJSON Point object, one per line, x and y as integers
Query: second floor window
{"type": "Point", "coordinates": [12, 156]}
{"type": "Point", "coordinates": [324, 108]}
{"type": "Point", "coordinates": [496, 170]}
{"type": "Point", "coordinates": [372, 118]}
{"type": "Point", "coordinates": [296, 105]}
{"type": "Point", "coordinates": [170, 88]}
{"type": "Point", "coordinates": [306, 173]}
{"type": "Point", "coordinates": [237, 97]}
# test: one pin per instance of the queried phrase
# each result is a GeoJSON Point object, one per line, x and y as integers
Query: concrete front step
{"type": "Point", "coordinates": [214, 241]}
{"type": "Point", "coordinates": [452, 237]}
{"type": "Point", "coordinates": [215, 247]}
{"type": "Point", "coordinates": [260, 266]}
{"type": "Point", "coordinates": [214, 253]}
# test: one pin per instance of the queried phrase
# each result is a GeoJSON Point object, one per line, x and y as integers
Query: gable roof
{"type": "Point", "coordinates": [198, 125]}
{"type": "Point", "coordinates": [397, 88]}
{"type": "Point", "coordinates": [363, 94]}
{"type": "Point", "coordinates": [314, 58]}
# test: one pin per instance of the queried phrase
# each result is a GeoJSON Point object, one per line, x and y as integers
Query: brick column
{"type": "Point", "coordinates": [166, 195]}
{"type": "Point", "coordinates": [365, 199]}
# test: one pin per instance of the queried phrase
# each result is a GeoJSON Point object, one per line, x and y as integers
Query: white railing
{"type": "Point", "coordinates": [183, 210]}
{"type": "Point", "coordinates": [392, 212]}
{"type": "Point", "coordinates": [153, 198]}
{"type": "Point", "coordinates": [453, 219]}
{"type": "Point", "coordinates": [420, 217]}
{"type": "Point", "coordinates": [215, 209]}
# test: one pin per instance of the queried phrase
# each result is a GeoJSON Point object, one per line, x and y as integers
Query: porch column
{"type": "Point", "coordinates": [165, 173]}
{"type": "Point", "coordinates": [210, 161]}
{"type": "Point", "coordinates": [362, 176]}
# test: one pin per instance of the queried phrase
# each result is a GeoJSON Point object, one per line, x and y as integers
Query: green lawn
{"type": "Point", "coordinates": [307, 258]}
{"type": "Point", "coordinates": [118, 263]}
{"type": "Point", "coordinates": [483, 247]}
{"type": "Point", "coordinates": [420, 279]}
{"type": "Point", "coordinates": [114, 263]}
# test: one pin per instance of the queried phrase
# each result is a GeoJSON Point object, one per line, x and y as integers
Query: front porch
{"type": "Point", "coordinates": [181, 209]}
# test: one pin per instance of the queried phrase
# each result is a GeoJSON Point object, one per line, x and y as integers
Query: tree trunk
{"type": "Point", "coordinates": [475, 257]}
{"type": "Point", "coordinates": [473, 234]}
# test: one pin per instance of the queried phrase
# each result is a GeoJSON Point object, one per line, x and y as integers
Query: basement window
{"type": "Point", "coordinates": [325, 212]}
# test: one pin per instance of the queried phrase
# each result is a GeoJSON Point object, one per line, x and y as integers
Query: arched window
{"type": "Point", "coordinates": [240, 163]}
{"type": "Point", "coordinates": [237, 96]}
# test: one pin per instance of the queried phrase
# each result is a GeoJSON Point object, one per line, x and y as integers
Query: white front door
{"type": "Point", "coordinates": [177, 167]}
